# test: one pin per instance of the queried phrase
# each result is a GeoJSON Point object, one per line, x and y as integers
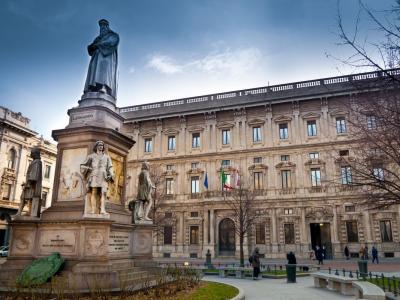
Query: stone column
{"type": "Point", "coordinates": [274, 233]}
{"type": "Point", "coordinates": [181, 235]}
{"type": "Point", "coordinates": [212, 233]}
{"type": "Point", "coordinates": [367, 228]}
{"type": "Point", "coordinates": [205, 231]}
{"type": "Point", "coordinates": [303, 232]}
{"type": "Point", "coordinates": [336, 249]}
{"type": "Point", "coordinates": [158, 142]}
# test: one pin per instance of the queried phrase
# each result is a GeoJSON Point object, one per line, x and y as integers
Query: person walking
{"type": "Point", "coordinates": [374, 253]}
{"type": "Point", "coordinates": [361, 253]}
{"type": "Point", "coordinates": [366, 252]}
{"type": "Point", "coordinates": [347, 252]}
{"type": "Point", "coordinates": [319, 255]}
{"type": "Point", "coordinates": [255, 262]}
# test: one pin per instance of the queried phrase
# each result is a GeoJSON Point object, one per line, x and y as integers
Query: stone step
{"type": "Point", "coordinates": [134, 275]}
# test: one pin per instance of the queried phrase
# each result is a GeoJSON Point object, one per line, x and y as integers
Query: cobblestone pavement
{"type": "Point", "coordinates": [277, 289]}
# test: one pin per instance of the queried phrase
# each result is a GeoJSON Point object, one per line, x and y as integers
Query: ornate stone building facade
{"type": "Point", "coordinates": [288, 142]}
{"type": "Point", "coordinates": [16, 142]}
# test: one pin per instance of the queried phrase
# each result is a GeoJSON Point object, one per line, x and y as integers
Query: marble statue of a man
{"type": "Point", "coordinates": [98, 171]}
{"type": "Point", "coordinates": [144, 200]}
{"type": "Point", "coordinates": [32, 188]}
{"type": "Point", "coordinates": [102, 72]}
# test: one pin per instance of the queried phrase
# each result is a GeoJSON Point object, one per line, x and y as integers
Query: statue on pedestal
{"type": "Point", "coordinates": [98, 171]}
{"type": "Point", "coordinates": [102, 72]}
{"type": "Point", "coordinates": [32, 188]}
{"type": "Point", "coordinates": [142, 205]}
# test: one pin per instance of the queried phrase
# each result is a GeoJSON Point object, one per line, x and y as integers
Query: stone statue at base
{"type": "Point", "coordinates": [98, 171]}
{"type": "Point", "coordinates": [32, 188]}
{"type": "Point", "coordinates": [142, 205]}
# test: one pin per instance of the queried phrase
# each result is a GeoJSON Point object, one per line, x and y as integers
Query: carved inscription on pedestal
{"type": "Point", "coordinates": [118, 242]}
{"type": "Point", "coordinates": [63, 241]}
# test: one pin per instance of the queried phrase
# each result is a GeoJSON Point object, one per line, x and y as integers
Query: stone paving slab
{"type": "Point", "coordinates": [278, 289]}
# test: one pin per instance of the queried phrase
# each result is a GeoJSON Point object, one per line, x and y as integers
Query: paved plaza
{"type": "Point", "coordinates": [277, 289]}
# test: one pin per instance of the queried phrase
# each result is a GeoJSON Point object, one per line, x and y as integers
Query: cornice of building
{"type": "Point", "coordinates": [261, 96]}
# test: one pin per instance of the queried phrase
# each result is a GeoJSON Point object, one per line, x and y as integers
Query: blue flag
{"type": "Point", "coordinates": [206, 181]}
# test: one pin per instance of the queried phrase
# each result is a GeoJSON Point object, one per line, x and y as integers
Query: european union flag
{"type": "Point", "coordinates": [206, 181]}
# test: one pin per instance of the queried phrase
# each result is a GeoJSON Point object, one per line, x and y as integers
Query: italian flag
{"type": "Point", "coordinates": [224, 180]}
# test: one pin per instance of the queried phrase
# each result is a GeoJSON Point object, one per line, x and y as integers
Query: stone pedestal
{"type": "Point", "coordinates": [106, 245]}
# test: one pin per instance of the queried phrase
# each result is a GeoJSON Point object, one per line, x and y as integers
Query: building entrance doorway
{"type": "Point", "coordinates": [321, 236]}
{"type": "Point", "coordinates": [226, 237]}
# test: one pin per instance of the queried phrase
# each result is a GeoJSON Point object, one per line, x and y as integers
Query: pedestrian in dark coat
{"type": "Point", "coordinates": [374, 253]}
{"type": "Point", "coordinates": [255, 262]}
{"type": "Point", "coordinates": [346, 252]}
{"type": "Point", "coordinates": [291, 258]}
{"type": "Point", "coordinates": [319, 255]}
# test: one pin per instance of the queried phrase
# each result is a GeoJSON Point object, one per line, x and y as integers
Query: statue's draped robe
{"type": "Point", "coordinates": [98, 169]}
{"type": "Point", "coordinates": [103, 64]}
{"type": "Point", "coordinates": [145, 185]}
{"type": "Point", "coordinates": [33, 188]}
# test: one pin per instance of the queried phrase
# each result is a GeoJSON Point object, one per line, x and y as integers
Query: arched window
{"type": "Point", "coordinates": [11, 158]}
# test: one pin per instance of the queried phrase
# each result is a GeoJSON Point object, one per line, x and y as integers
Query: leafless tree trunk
{"type": "Point", "coordinates": [242, 203]}
{"type": "Point", "coordinates": [374, 112]}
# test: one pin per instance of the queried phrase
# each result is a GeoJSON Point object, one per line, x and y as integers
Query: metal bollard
{"type": "Point", "coordinates": [350, 274]}
{"type": "Point", "coordinates": [337, 272]}
{"type": "Point", "coordinates": [344, 272]}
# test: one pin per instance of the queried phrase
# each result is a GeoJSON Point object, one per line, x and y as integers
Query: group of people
{"type": "Point", "coordinates": [363, 253]}
{"type": "Point", "coordinates": [254, 260]}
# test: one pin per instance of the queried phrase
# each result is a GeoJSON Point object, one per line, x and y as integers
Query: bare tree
{"type": "Point", "coordinates": [242, 203]}
{"type": "Point", "coordinates": [374, 113]}
{"type": "Point", "coordinates": [158, 179]}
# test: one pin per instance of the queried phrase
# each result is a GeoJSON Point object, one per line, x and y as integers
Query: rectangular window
{"type": "Point", "coordinates": [6, 194]}
{"type": "Point", "coordinates": [371, 122]}
{"type": "Point", "coordinates": [289, 233]}
{"type": "Point", "coordinates": [226, 137]}
{"type": "Point", "coordinates": [47, 172]}
{"type": "Point", "coordinates": [148, 145]}
{"type": "Point", "coordinates": [346, 175]}
{"type": "Point", "coordinates": [260, 234]}
{"type": "Point", "coordinates": [313, 155]}
{"type": "Point", "coordinates": [169, 183]}
{"type": "Point", "coordinates": [196, 140]}
{"type": "Point", "coordinates": [168, 215]}
{"type": "Point", "coordinates": [225, 162]}
{"type": "Point", "coordinates": [194, 235]}
{"type": "Point", "coordinates": [167, 235]}
{"type": "Point", "coordinates": [378, 173]}
{"type": "Point", "coordinates": [285, 174]}
{"type": "Point", "coordinates": [257, 180]}
{"type": "Point", "coordinates": [44, 198]}
{"type": "Point", "coordinates": [315, 177]}
{"type": "Point", "coordinates": [194, 214]}
{"type": "Point", "coordinates": [312, 128]}
{"type": "Point", "coordinates": [285, 157]}
{"type": "Point", "coordinates": [170, 167]}
{"type": "Point", "coordinates": [257, 134]}
{"type": "Point", "coordinates": [195, 186]}
{"type": "Point", "coordinates": [283, 131]}
{"type": "Point", "coordinates": [195, 165]}
{"type": "Point", "coordinates": [171, 143]}
{"type": "Point", "coordinates": [349, 208]}
{"type": "Point", "coordinates": [352, 231]}
{"type": "Point", "coordinates": [288, 211]}
{"type": "Point", "coordinates": [341, 125]}
{"type": "Point", "coordinates": [386, 231]}
{"type": "Point", "coordinates": [257, 160]}
{"type": "Point", "coordinates": [343, 152]}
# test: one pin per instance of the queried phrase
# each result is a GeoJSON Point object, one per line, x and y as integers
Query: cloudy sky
{"type": "Point", "coordinates": [168, 48]}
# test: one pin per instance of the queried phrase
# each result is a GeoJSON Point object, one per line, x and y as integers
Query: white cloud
{"type": "Point", "coordinates": [227, 62]}
{"type": "Point", "coordinates": [164, 64]}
